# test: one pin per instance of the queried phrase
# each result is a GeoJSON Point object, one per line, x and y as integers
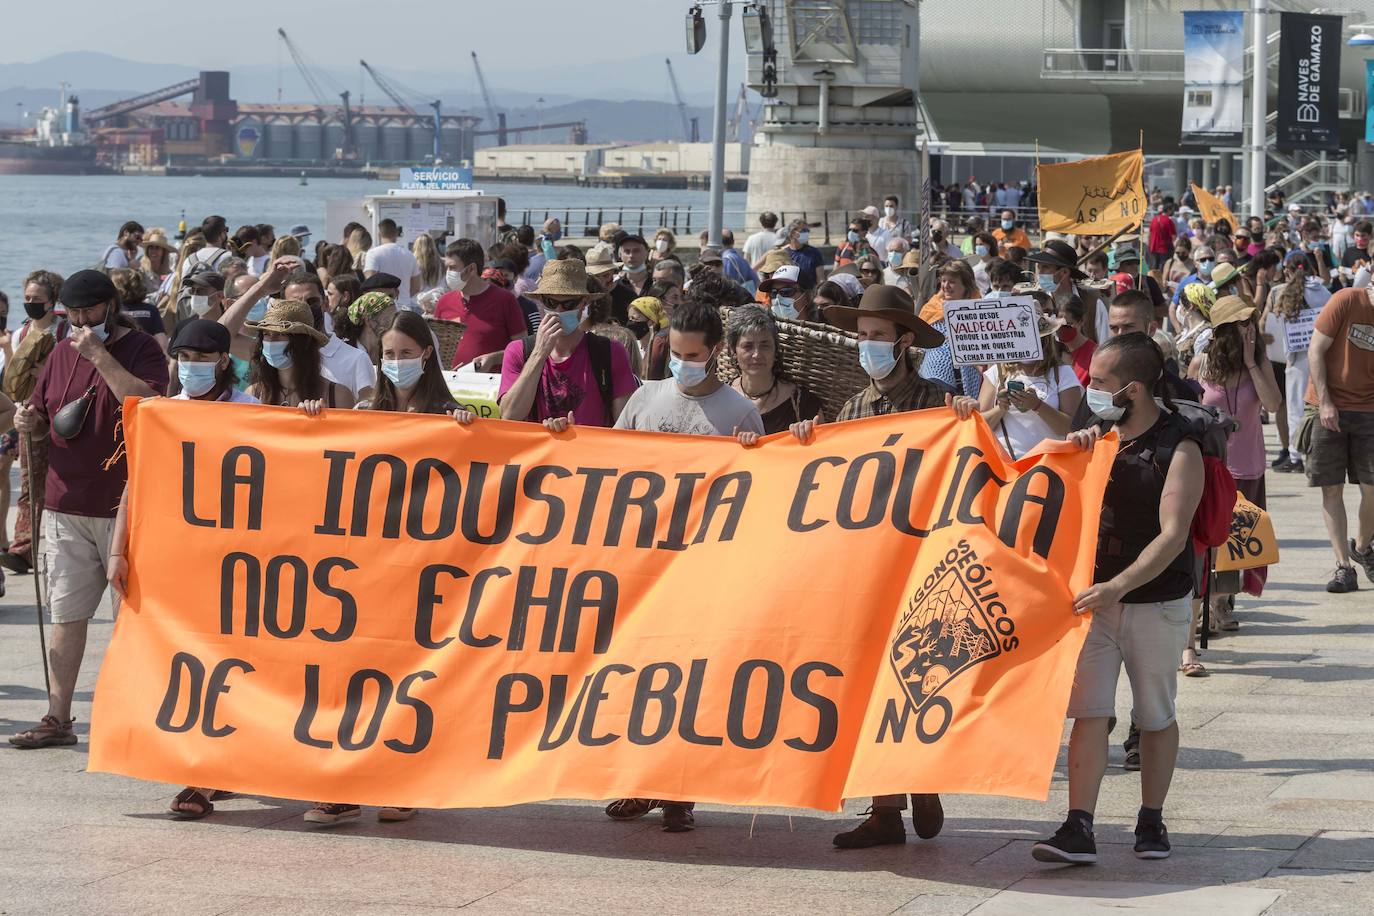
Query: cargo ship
{"type": "Point", "coordinates": [57, 146]}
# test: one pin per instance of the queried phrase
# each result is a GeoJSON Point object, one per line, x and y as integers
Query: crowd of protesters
{"type": "Point", "coordinates": [628, 332]}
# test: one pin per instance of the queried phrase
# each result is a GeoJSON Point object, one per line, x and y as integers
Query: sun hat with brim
{"type": "Point", "coordinates": [1126, 253]}
{"type": "Point", "coordinates": [200, 335]}
{"type": "Point", "coordinates": [911, 260]}
{"type": "Point", "coordinates": [1223, 274]}
{"type": "Point", "coordinates": [775, 259]}
{"type": "Point", "coordinates": [851, 269]}
{"type": "Point", "coordinates": [891, 304]}
{"type": "Point", "coordinates": [566, 278]}
{"type": "Point", "coordinates": [789, 275]}
{"type": "Point", "coordinates": [1058, 254]}
{"type": "Point", "coordinates": [158, 240]}
{"type": "Point", "coordinates": [1230, 309]}
{"type": "Point", "coordinates": [600, 262]}
{"type": "Point", "coordinates": [1047, 324]}
{"type": "Point", "coordinates": [287, 316]}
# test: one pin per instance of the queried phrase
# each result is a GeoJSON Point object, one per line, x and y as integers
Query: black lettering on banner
{"type": "Point", "coordinates": [1051, 503]}
{"type": "Point", "coordinates": [665, 696]}
{"type": "Point", "coordinates": [419, 495]}
{"type": "Point", "coordinates": [504, 703]}
{"type": "Point", "coordinates": [806, 485]}
{"type": "Point", "coordinates": [310, 707]}
{"type": "Point", "coordinates": [691, 699]}
{"type": "Point", "coordinates": [188, 488]}
{"type": "Point", "coordinates": [965, 454]}
{"type": "Point", "coordinates": [553, 711]}
{"type": "Point", "coordinates": [193, 669]}
{"type": "Point", "coordinates": [252, 592]}
{"type": "Point", "coordinates": [348, 606]}
{"type": "Point", "coordinates": [505, 504]}
{"type": "Point", "coordinates": [428, 600]}
{"type": "Point", "coordinates": [216, 688]}
{"type": "Point", "coordinates": [605, 605]}
{"type": "Point", "coordinates": [395, 494]}
{"type": "Point", "coordinates": [828, 724]}
{"type": "Point", "coordinates": [299, 577]}
{"type": "Point", "coordinates": [644, 502]}
{"type": "Point", "coordinates": [978, 479]}
{"type": "Point", "coordinates": [682, 510]}
{"type": "Point", "coordinates": [353, 705]}
{"type": "Point", "coordinates": [525, 599]}
{"type": "Point", "coordinates": [774, 682]}
{"type": "Point", "coordinates": [467, 629]}
{"type": "Point", "coordinates": [893, 725]}
{"type": "Point", "coordinates": [884, 475]}
{"type": "Point", "coordinates": [424, 715]}
{"type": "Point", "coordinates": [586, 510]}
{"type": "Point", "coordinates": [596, 692]}
{"type": "Point", "coordinates": [254, 478]}
{"type": "Point", "coordinates": [717, 497]}
{"type": "Point", "coordinates": [333, 492]}
{"type": "Point", "coordinates": [534, 479]}
{"type": "Point", "coordinates": [906, 489]}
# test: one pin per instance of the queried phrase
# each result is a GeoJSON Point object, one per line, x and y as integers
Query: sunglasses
{"type": "Point", "coordinates": [561, 303]}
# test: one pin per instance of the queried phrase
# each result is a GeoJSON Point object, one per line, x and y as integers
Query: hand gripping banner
{"type": "Point", "coordinates": [390, 609]}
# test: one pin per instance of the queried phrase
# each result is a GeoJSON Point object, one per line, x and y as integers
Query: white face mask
{"type": "Point", "coordinates": [662, 246]}
{"type": "Point", "coordinates": [453, 279]}
{"type": "Point", "coordinates": [889, 212]}
{"type": "Point", "coordinates": [200, 304]}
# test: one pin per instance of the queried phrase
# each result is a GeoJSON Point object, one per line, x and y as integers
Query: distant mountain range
{"type": "Point", "coordinates": [615, 109]}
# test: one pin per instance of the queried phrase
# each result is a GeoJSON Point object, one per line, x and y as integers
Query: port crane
{"type": "Point", "coordinates": [496, 119]}
{"type": "Point", "coordinates": [691, 129]}
{"type": "Point", "coordinates": [393, 92]}
{"type": "Point", "coordinates": [350, 146]}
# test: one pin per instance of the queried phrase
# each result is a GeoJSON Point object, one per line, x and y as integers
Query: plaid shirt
{"type": "Point", "coordinates": [915, 393]}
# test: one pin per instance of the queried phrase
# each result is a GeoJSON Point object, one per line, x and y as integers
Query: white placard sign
{"type": "Point", "coordinates": [985, 332]}
{"type": "Point", "coordinates": [1299, 330]}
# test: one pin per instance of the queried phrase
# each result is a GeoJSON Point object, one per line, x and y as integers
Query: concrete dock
{"type": "Point", "coordinates": [1272, 811]}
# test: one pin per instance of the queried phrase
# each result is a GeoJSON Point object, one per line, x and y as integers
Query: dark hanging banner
{"type": "Point", "coordinates": [1309, 81]}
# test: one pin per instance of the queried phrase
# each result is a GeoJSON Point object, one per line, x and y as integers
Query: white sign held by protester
{"type": "Point", "coordinates": [1299, 330]}
{"type": "Point", "coordinates": [985, 332]}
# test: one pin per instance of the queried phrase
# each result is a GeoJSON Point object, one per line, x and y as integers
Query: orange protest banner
{"type": "Point", "coordinates": [1251, 542]}
{"type": "Point", "coordinates": [1212, 208]}
{"type": "Point", "coordinates": [1096, 196]}
{"type": "Point", "coordinates": [393, 609]}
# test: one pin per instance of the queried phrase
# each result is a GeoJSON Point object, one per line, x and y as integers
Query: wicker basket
{"type": "Point", "coordinates": [449, 334]}
{"type": "Point", "coordinates": [819, 357]}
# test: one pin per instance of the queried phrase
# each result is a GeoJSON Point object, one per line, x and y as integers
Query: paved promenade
{"type": "Point", "coordinates": [1272, 811]}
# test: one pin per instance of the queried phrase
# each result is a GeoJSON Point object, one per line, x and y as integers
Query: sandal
{"type": "Point", "coordinates": [1193, 669]}
{"type": "Point", "coordinates": [50, 732]}
{"type": "Point", "coordinates": [191, 796]}
{"type": "Point", "coordinates": [392, 814]}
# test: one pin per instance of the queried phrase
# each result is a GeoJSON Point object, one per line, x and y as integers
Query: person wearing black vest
{"type": "Point", "coordinates": [1139, 598]}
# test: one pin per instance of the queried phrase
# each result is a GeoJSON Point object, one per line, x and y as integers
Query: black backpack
{"type": "Point", "coordinates": [599, 351]}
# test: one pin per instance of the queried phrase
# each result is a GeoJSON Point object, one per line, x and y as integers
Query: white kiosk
{"type": "Point", "coordinates": [436, 200]}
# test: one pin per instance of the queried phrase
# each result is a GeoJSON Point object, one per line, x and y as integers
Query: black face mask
{"type": "Point", "coordinates": [4, 322]}
{"type": "Point", "coordinates": [35, 310]}
{"type": "Point", "coordinates": [638, 328]}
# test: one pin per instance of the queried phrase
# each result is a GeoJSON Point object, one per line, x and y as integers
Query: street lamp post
{"type": "Point", "coordinates": [717, 208]}
{"type": "Point", "coordinates": [1259, 107]}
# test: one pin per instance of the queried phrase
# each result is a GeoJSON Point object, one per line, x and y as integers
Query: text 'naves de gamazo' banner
{"type": "Point", "coordinates": [387, 609]}
{"type": "Point", "coordinates": [1309, 82]}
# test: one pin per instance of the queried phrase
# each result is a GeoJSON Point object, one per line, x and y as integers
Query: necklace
{"type": "Point", "coordinates": [758, 397]}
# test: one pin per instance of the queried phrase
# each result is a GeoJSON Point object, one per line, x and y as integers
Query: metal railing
{"type": "Point", "coordinates": [1112, 64]}
{"type": "Point", "coordinates": [687, 221]}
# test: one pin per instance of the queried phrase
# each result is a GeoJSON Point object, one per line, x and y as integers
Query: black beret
{"type": "Point", "coordinates": [201, 335]}
{"type": "Point", "coordinates": [87, 288]}
{"type": "Point", "coordinates": [380, 281]}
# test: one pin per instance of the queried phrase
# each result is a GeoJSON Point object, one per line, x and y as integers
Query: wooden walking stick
{"type": "Point", "coordinates": [33, 554]}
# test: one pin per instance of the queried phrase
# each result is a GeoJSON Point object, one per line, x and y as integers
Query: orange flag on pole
{"type": "Point", "coordinates": [1098, 196]}
{"type": "Point", "coordinates": [1212, 208]}
{"type": "Point", "coordinates": [394, 609]}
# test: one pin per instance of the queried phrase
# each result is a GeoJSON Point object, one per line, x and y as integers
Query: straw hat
{"type": "Point", "coordinates": [567, 277]}
{"type": "Point", "coordinates": [1047, 324]}
{"type": "Point", "coordinates": [157, 238]}
{"type": "Point", "coordinates": [910, 261]}
{"type": "Point", "coordinates": [1223, 274]}
{"type": "Point", "coordinates": [599, 261]}
{"type": "Point", "coordinates": [775, 259]}
{"type": "Point", "coordinates": [1231, 309]}
{"type": "Point", "coordinates": [890, 303]}
{"type": "Point", "coordinates": [288, 316]}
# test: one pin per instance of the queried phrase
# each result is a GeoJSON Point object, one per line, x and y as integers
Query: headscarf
{"type": "Point", "coordinates": [1201, 297]}
{"type": "Point", "coordinates": [651, 308]}
{"type": "Point", "coordinates": [849, 283]}
{"type": "Point", "coordinates": [376, 309]}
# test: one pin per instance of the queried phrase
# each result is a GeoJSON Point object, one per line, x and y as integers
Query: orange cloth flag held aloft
{"type": "Point", "coordinates": [1211, 207]}
{"type": "Point", "coordinates": [393, 609]}
{"type": "Point", "coordinates": [1098, 196]}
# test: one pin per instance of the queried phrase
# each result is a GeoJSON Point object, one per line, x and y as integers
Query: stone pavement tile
{"type": "Point", "coordinates": [596, 896]}
{"type": "Point", "coordinates": [1334, 849]}
{"type": "Point", "coordinates": [293, 906]}
{"type": "Point", "coordinates": [1117, 862]}
{"type": "Point", "coordinates": [1320, 893]}
{"type": "Point", "coordinates": [166, 900]}
{"type": "Point", "coordinates": [1281, 725]}
{"type": "Point", "coordinates": [1335, 786]}
{"type": "Point", "coordinates": [1259, 838]}
{"type": "Point", "coordinates": [940, 905]}
{"type": "Point", "coordinates": [1057, 896]}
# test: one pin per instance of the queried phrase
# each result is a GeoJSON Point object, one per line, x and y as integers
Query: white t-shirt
{"type": "Point", "coordinates": [395, 259]}
{"type": "Point", "coordinates": [663, 407]}
{"type": "Point", "coordinates": [116, 257]}
{"type": "Point", "coordinates": [257, 265]}
{"type": "Point", "coordinates": [1024, 430]}
{"type": "Point", "coordinates": [348, 366]}
{"type": "Point", "coordinates": [758, 244]}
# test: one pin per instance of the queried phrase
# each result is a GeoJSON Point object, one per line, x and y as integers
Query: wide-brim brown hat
{"type": "Point", "coordinates": [1058, 254]}
{"type": "Point", "coordinates": [288, 316]}
{"type": "Point", "coordinates": [154, 239]}
{"type": "Point", "coordinates": [774, 259]}
{"type": "Point", "coordinates": [1223, 274]}
{"type": "Point", "coordinates": [892, 304]}
{"type": "Point", "coordinates": [1230, 309]}
{"type": "Point", "coordinates": [566, 277]}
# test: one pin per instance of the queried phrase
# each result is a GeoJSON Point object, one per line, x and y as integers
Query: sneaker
{"type": "Point", "coordinates": [677, 818]}
{"type": "Point", "coordinates": [1151, 841]}
{"type": "Point", "coordinates": [1294, 466]}
{"type": "Point", "coordinates": [332, 814]}
{"type": "Point", "coordinates": [1280, 463]}
{"type": "Point", "coordinates": [629, 809]}
{"type": "Point", "coordinates": [1070, 845]}
{"type": "Point", "coordinates": [927, 816]}
{"type": "Point", "coordinates": [1132, 748]}
{"type": "Point", "coordinates": [1364, 557]}
{"type": "Point", "coordinates": [50, 732]}
{"type": "Point", "coordinates": [883, 828]}
{"type": "Point", "coordinates": [393, 815]}
{"type": "Point", "coordinates": [1342, 580]}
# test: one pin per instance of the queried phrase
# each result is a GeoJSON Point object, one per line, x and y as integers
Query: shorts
{"type": "Point", "coordinates": [1335, 458]}
{"type": "Point", "coordinates": [76, 550]}
{"type": "Point", "coordinates": [1148, 639]}
{"type": "Point", "coordinates": [1280, 370]}
{"type": "Point", "coordinates": [9, 444]}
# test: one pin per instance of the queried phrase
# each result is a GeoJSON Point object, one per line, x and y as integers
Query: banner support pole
{"type": "Point", "coordinates": [1259, 107]}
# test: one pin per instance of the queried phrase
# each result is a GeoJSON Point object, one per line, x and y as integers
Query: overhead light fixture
{"type": "Point", "coordinates": [758, 29]}
{"type": "Point", "coordinates": [696, 30]}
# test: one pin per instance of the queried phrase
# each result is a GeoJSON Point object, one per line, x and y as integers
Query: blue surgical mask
{"type": "Point", "coordinates": [1000, 294]}
{"type": "Point", "coordinates": [1103, 404]}
{"type": "Point", "coordinates": [569, 320]}
{"type": "Point", "coordinates": [196, 378]}
{"type": "Point", "coordinates": [1007, 224]}
{"type": "Point", "coordinates": [1047, 282]}
{"type": "Point", "coordinates": [687, 374]}
{"type": "Point", "coordinates": [784, 307]}
{"type": "Point", "coordinates": [803, 237]}
{"type": "Point", "coordinates": [852, 236]}
{"type": "Point", "coordinates": [1204, 269]}
{"type": "Point", "coordinates": [404, 373]}
{"type": "Point", "coordinates": [259, 311]}
{"type": "Point", "coordinates": [877, 358]}
{"type": "Point", "coordinates": [274, 351]}
{"type": "Point", "coordinates": [894, 258]}
{"type": "Point", "coordinates": [980, 250]}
